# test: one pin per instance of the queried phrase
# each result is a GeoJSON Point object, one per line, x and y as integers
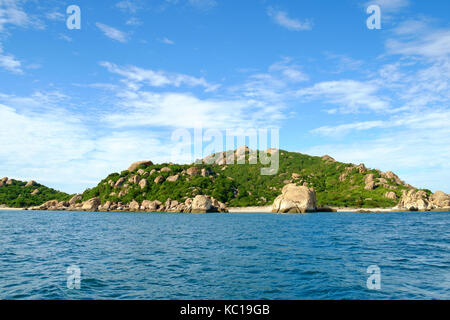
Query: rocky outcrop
{"type": "Point", "coordinates": [419, 200]}
{"type": "Point", "coordinates": [328, 158]}
{"type": "Point", "coordinates": [137, 164]}
{"type": "Point", "coordinates": [35, 192]}
{"type": "Point", "coordinates": [193, 171]}
{"type": "Point", "coordinates": [391, 195]}
{"type": "Point", "coordinates": [295, 199]}
{"type": "Point", "coordinates": [173, 178]}
{"type": "Point", "coordinates": [143, 183]}
{"type": "Point", "coordinates": [440, 200]}
{"type": "Point", "coordinates": [75, 199]}
{"type": "Point", "coordinates": [31, 183]}
{"type": "Point", "coordinates": [159, 179]}
{"type": "Point", "coordinates": [91, 204]}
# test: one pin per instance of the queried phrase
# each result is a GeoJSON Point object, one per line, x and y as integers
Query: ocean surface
{"type": "Point", "coordinates": [223, 256]}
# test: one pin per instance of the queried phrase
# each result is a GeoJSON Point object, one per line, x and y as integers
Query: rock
{"type": "Point", "coordinates": [295, 176]}
{"type": "Point", "coordinates": [75, 199]}
{"type": "Point", "coordinates": [35, 192]}
{"type": "Point", "coordinates": [368, 178]}
{"type": "Point", "coordinates": [31, 183]}
{"type": "Point", "coordinates": [141, 172]}
{"type": "Point", "coordinates": [159, 179]}
{"type": "Point", "coordinates": [4, 179]}
{"type": "Point", "coordinates": [328, 158]}
{"type": "Point", "coordinates": [201, 204]}
{"type": "Point", "coordinates": [48, 204]}
{"type": "Point", "coordinates": [391, 175]}
{"type": "Point", "coordinates": [105, 207]}
{"type": "Point", "coordinates": [151, 206]}
{"type": "Point", "coordinates": [153, 171]}
{"type": "Point", "coordinates": [206, 172]}
{"type": "Point", "coordinates": [342, 177]}
{"type": "Point", "coordinates": [119, 182]}
{"type": "Point", "coordinates": [137, 164]}
{"type": "Point", "coordinates": [134, 205]}
{"type": "Point", "coordinates": [413, 200]}
{"type": "Point", "coordinates": [134, 179]}
{"type": "Point", "coordinates": [165, 169]}
{"type": "Point", "coordinates": [173, 178]}
{"type": "Point", "coordinates": [440, 200]}
{"type": "Point", "coordinates": [91, 204]}
{"type": "Point", "coordinates": [295, 199]}
{"type": "Point", "coordinates": [122, 193]}
{"type": "Point", "coordinates": [391, 195]}
{"type": "Point", "coordinates": [9, 182]}
{"type": "Point", "coordinates": [193, 171]}
{"type": "Point", "coordinates": [361, 168]}
{"type": "Point", "coordinates": [143, 183]}
{"type": "Point", "coordinates": [369, 185]}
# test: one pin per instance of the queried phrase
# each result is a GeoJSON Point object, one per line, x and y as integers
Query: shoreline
{"type": "Point", "coordinates": [264, 209]}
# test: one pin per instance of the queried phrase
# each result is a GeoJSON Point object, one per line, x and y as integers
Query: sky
{"type": "Point", "coordinates": [78, 104]}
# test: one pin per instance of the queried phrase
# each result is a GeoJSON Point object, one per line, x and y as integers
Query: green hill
{"type": "Point", "coordinates": [239, 185]}
{"type": "Point", "coordinates": [19, 194]}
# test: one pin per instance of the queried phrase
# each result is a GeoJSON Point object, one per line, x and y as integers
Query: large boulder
{"type": "Point", "coordinates": [134, 206]}
{"type": "Point", "coordinates": [31, 183]}
{"type": "Point", "coordinates": [202, 204]}
{"type": "Point", "coordinates": [295, 199]}
{"type": "Point", "coordinates": [440, 200]}
{"type": "Point", "coordinates": [119, 182]}
{"type": "Point", "coordinates": [137, 164]}
{"type": "Point", "coordinates": [143, 183]}
{"type": "Point", "coordinates": [193, 171]}
{"type": "Point", "coordinates": [91, 204]}
{"type": "Point", "coordinates": [414, 200]}
{"type": "Point", "coordinates": [173, 178]}
{"type": "Point", "coordinates": [75, 199]}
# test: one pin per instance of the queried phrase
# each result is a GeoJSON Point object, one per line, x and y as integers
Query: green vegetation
{"type": "Point", "coordinates": [243, 185]}
{"type": "Point", "coordinates": [17, 195]}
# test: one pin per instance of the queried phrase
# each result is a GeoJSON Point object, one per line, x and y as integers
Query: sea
{"type": "Point", "coordinates": [330, 256]}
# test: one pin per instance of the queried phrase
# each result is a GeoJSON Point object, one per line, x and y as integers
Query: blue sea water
{"type": "Point", "coordinates": [224, 256]}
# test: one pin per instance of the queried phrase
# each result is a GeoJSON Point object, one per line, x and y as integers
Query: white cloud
{"type": "Point", "coordinates": [12, 13]}
{"type": "Point", "coordinates": [167, 41]}
{"type": "Point", "coordinates": [128, 6]}
{"type": "Point", "coordinates": [433, 45]}
{"type": "Point", "coordinates": [56, 16]}
{"type": "Point", "coordinates": [135, 76]}
{"type": "Point", "coordinates": [349, 95]}
{"type": "Point", "coordinates": [282, 18]}
{"type": "Point", "coordinates": [10, 63]}
{"type": "Point", "coordinates": [112, 33]}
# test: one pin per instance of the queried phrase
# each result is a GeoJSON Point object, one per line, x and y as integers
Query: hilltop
{"type": "Point", "coordinates": [20, 194]}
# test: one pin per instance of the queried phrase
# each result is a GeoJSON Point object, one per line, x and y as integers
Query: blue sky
{"type": "Point", "coordinates": [76, 105]}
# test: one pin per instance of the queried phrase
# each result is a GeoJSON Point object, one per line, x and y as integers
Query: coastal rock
{"type": "Point", "coordinates": [295, 199]}
{"type": "Point", "coordinates": [440, 200]}
{"type": "Point", "coordinates": [165, 169]}
{"type": "Point", "coordinates": [151, 206]}
{"type": "Point", "coordinates": [9, 182]}
{"type": "Point", "coordinates": [35, 192]}
{"type": "Point", "coordinates": [137, 164]}
{"type": "Point", "coordinates": [413, 200]}
{"type": "Point", "coordinates": [134, 205]}
{"type": "Point", "coordinates": [75, 199]}
{"type": "Point", "coordinates": [91, 204]}
{"type": "Point", "coordinates": [201, 204]}
{"type": "Point", "coordinates": [140, 172]}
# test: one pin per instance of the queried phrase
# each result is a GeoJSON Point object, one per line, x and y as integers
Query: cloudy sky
{"type": "Point", "coordinates": [76, 105]}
